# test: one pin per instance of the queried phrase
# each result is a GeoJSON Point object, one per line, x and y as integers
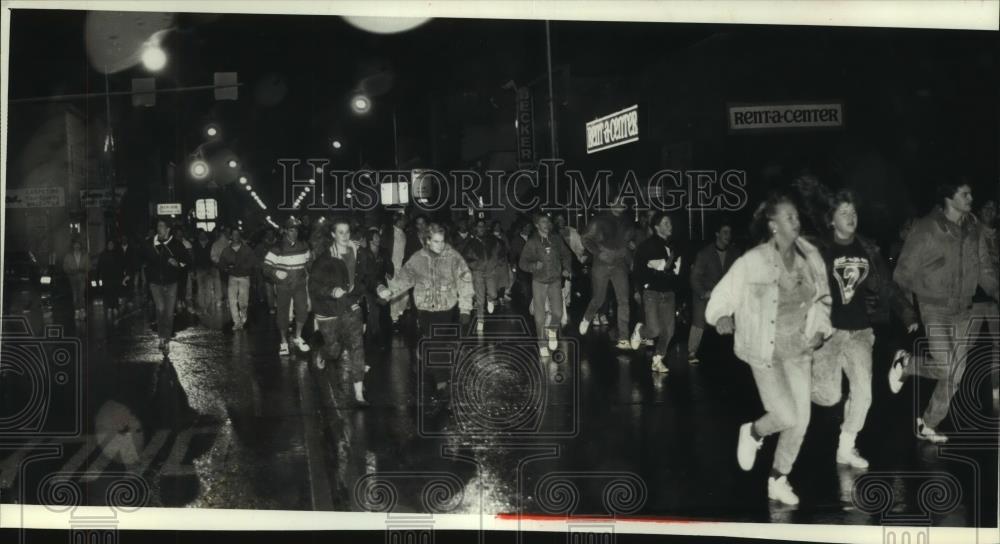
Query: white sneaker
{"type": "Point", "coordinates": [553, 341]}
{"type": "Point", "coordinates": [658, 365]}
{"type": "Point", "coordinates": [746, 449]}
{"type": "Point", "coordinates": [851, 457]}
{"type": "Point", "coordinates": [636, 339]}
{"type": "Point", "coordinates": [899, 361]}
{"type": "Point", "coordinates": [925, 432]}
{"type": "Point", "coordinates": [479, 327]}
{"type": "Point", "coordinates": [778, 489]}
{"type": "Point", "coordinates": [300, 344]}
{"type": "Point", "coordinates": [649, 342]}
{"type": "Point", "coordinates": [623, 344]}
{"type": "Point", "coordinates": [490, 306]}
{"type": "Point", "coordinates": [602, 320]}
{"type": "Point", "coordinates": [283, 348]}
{"type": "Point", "coordinates": [543, 352]}
{"type": "Point", "coordinates": [584, 325]}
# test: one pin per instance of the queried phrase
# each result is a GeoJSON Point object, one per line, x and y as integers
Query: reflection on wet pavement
{"type": "Point", "coordinates": [225, 423]}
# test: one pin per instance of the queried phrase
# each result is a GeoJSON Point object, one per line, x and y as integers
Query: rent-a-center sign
{"type": "Point", "coordinates": [754, 117]}
{"type": "Point", "coordinates": [612, 130]}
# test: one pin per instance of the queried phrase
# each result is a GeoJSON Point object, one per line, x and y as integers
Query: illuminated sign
{"type": "Point", "coordinates": [613, 130]}
{"type": "Point", "coordinates": [784, 116]}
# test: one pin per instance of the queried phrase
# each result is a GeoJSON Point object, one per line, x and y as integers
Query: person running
{"type": "Point", "coordinates": [711, 263]}
{"type": "Point", "coordinates": [856, 274]}
{"type": "Point", "coordinates": [482, 252]}
{"type": "Point", "coordinates": [165, 258]}
{"type": "Point", "coordinates": [776, 300]}
{"type": "Point", "coordinates": [76, 264]}
{"type": "Point", "coordinates": [657, 266]}
{"type": "Point", "coordinates": [376, 268]}
{"type": "Point", "coordinates": [239, 262]}
{"type": "Point", "coordinates": [441, 281]}
{"type": "Point", "coordinates": [286, 264]}
{"type": "Point", "coordinates": [942, 263]}
{"type": "Point", "coordinates": [548, 260]}
{"type": "Point", "coordinates": [607, 238]}
{"type": "Point", "coordinates": [335, 286]}
{"type": "Point", "coordinates": [572, 239]}
{"type": "Point", "coordinates": [504, 273]}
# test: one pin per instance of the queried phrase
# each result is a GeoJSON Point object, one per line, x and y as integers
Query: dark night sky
{"type": "Point", "coordinates": [881, 72]}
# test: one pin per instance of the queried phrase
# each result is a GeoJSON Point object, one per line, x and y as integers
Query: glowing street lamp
{"type": "Point", "coordinates": [336, 144]}
{"type": "Point", "coordinates": [153, 57]}
{"type": "Point", "coordinates": [212, 131]}
{"type": "Point", "coordinates": [361, 104]}
{"type": "Point", "coordinates": [232, 163]}
{"type": "Point", "coordinates": [199, 169]}
{"type": "Point", "coordinates": [243, 180]}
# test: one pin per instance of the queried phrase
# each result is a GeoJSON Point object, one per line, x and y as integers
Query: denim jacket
{"type": "Point", "coordinates": [749, 292]}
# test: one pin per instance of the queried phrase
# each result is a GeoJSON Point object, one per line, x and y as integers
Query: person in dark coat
{"type": "Point", "coordinates": [165, 256]}
{"type": "Point", "coordinates": [375, 268]}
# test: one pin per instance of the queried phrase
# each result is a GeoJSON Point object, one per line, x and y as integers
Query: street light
{"type": "Point", "coordinates": [199, 169]}
{"type": "Point", "coordinates": [361, 104]}
{"type": "Point", "coordinates": [212, 131]}
{"type": "Point", "coordinates": [153, 58]}
{"type": "Point", "coordinates": [336, 144]}
{"type": "Point", "coordinates": [243, 180]}
{"type": "Point", "coordinates": [232, 163]}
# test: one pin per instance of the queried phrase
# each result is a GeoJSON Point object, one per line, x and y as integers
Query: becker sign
{"type": "Point", "coordinates": [613, 130]}
{"type": "Point", "coordinates": [784, 116]}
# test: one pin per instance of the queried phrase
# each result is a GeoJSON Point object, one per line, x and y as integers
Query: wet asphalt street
{"type": "Point", "coordinates": [224, 422]}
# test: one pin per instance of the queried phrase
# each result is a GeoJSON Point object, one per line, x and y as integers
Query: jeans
{"type": "Point", "coordinates": [78, 285]}
{"type": "Point", "coordinates": [989, 313]}
{"type": "Point", "coordinates": [285, 297]}
{"type": "Point", "coordinates": [427, 321]}
{"type": "Point", "coordinates": [342, 338]}
{"type": "Point", "coordinates": [784, 391]}
{"type": "Point", "coordinates": [209, 288]}
{"type": "Point", "coordinates": [239, 298]}
{"type": "Point", "coordinates": [165, 298]}
{"type": "Point", "coordinates": [600, 274]}
{"type": "Point", "coordinates": [485, 284]}
{"type": "Point", "coordinates": [944, 360]}
{"type": "Point", "coordinates": [659, 310]}
{"type": "Point", "coordinates": [846, 352]}
{"type": "Point", "coordinates": [547, 295]}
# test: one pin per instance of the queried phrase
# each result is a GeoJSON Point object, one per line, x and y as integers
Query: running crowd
{"type": "Point", "coordinates": [803, 302]}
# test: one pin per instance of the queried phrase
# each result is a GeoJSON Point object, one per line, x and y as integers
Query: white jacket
{"type": "Point", "coordinates": [749, 292]}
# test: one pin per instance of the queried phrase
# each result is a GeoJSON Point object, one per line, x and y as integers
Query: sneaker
{"type": "Point", "coordinates": [636, 340]}
{"type": "Point", "coordinates": [778, 489]}
{"type": "Point", "coordinates": [925, 432]}
{"type": "Point", "coordinates": [851, 457]}
{"type": "Point", "coordinates": [283, 348]}
{"type": "Point", "coordinates": [490, 306]}
{"type": "Point", "coordinates": [899, 361]}
{"type": "Point", "coordinates": [623, 344]}
{"type": "Point", "coordinates": [658, 365]}
{"type": "Point", "coordinates": [649, 342]}
{"type": "Point", "coordinates": [543, 351]}
{"type": "Point", "coordinates": [300, 344]}
{"type": "Point", "coordinates": [479, 328]}
{"type": "Point", "coordinates": [693, 359]}
{"type": "Point", "coordinates": [746, 449]}
{"type": "Point", "coordinates": [602, 320]}
{"type": "Point", "coordinates": [584, 325]}
{"type": "Point", "coordinates": [553, 341]}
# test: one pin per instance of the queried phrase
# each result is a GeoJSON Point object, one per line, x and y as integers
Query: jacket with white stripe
{"type": "Point", "coordinates": [292, 259]}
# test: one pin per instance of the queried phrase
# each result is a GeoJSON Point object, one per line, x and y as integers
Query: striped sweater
{"type": "Point", "coordinates": [291, 259]}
